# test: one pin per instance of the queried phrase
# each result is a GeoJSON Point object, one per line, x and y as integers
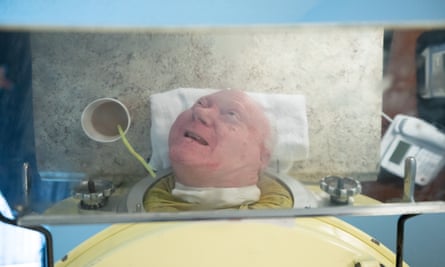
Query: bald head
{"type": "Point", "coordinates": [221, 141]}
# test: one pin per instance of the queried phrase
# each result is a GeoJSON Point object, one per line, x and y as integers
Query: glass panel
{"type": "Point", "coordinates": [308, 132]}
{"type": "Point", "coordinates": [399, 153]}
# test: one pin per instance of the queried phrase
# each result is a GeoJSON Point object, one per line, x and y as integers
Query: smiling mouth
{"type": "Point", "coordinates": [196, 138]}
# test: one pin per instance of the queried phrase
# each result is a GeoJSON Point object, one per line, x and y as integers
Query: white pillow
{"type": "Point", "coordinates": [287, 113]}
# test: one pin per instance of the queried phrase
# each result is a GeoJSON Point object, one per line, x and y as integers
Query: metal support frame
{"type": "Point", "coordinates": [49, 242]}
{"type": "Point", "coordinates": [400, 236]}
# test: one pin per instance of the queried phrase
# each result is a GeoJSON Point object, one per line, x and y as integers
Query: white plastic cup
{"type": "Point", "coordinates": [101, 117]}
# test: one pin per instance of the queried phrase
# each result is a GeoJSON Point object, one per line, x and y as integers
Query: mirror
{"type": "Point", "coordinates": [413, 113]}
{"type": "Point", "coordinates": [22, 245]}
{"type": "Point", "coordinates": [328, 92]}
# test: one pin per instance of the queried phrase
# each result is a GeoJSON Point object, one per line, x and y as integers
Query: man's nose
{"type": "Point", "coordinates": [204, 114]}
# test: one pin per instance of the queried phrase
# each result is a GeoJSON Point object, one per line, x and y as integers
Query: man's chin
{"type": "Point", "coordinates": [191, 161]}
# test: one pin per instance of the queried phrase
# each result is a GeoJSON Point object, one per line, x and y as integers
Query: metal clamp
{"type": "Point", "coordinates": [340, 188]}
{"type": "Point", "coordinates": [93, 194]}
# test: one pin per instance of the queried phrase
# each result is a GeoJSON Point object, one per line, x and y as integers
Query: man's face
{"type": "Point", "coordinates": [217, 142]}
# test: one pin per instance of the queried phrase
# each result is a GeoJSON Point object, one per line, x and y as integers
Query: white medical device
{"type": "Point", "coordinates": [410, 136]}
{"type": "Point", "coordinates": [431, 78]}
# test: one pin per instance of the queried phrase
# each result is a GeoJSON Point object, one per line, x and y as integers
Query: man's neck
{"type": "Point", "coordinates": [212, 197]}
{"type": "Point", "coordinates": [204, 177]}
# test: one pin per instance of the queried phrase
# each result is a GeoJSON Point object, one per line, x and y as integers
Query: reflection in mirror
{"type": "Point", "coordinates": [413, 117]}
{"type": "Point", "coordinates": [301, 126]}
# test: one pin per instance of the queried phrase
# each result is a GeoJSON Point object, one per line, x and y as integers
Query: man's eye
{"type": "Point", "coordinates": [202, 102]}
{"type": "Point", "coordinates": [232, 114]}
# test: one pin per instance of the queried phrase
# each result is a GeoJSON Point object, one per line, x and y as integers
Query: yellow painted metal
{"type": "Point", "coordinates": [318, 241]}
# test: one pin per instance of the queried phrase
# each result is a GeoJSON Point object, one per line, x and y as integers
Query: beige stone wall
{"type": "Point", "coordinates": [338, 69]}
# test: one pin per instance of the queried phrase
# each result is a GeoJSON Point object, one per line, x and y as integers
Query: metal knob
{"type": "Point", "coordinates": [93, 194]}
{"type": "Point", "coordinates": [409, 179]}
{"type": "Point", "coordinates": [340, 189]}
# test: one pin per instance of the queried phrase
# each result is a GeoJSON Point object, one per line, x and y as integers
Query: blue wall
{"type": "Point", "coordinates": [179, 13]}
{"type": "Point", "coordinates": [424, 236]}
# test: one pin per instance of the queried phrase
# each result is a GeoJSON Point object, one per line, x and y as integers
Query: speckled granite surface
{"type": "Point", "coordinates": [338, 69]}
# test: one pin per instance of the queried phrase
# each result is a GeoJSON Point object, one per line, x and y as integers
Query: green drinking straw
{"type": "Point", "coordinates": [134, 153]}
